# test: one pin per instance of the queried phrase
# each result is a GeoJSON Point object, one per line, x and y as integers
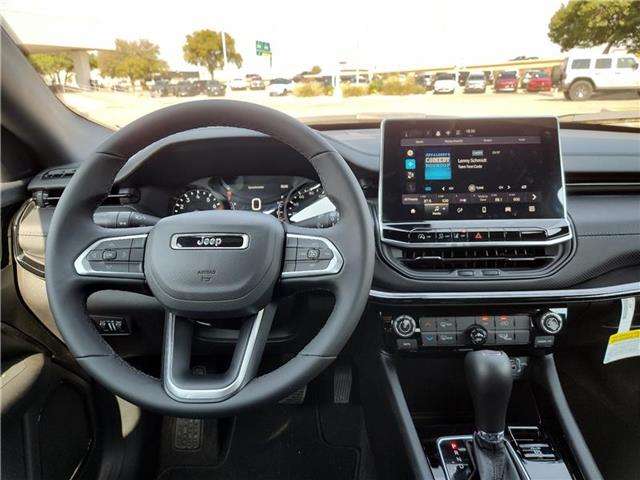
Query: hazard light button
{"type": "Point", "coordinates": [478, 236]}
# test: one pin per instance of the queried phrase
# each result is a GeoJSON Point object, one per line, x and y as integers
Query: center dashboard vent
{"type": "Point", "coordinates": [505, 258]}
{"type": "Point", "coordinates": [479, 262]}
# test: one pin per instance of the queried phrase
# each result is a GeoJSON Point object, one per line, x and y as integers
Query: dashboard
{"type": "Point", "coordinates": [601, 174]}
{"type": "Point", "coordinates": [292, 199]}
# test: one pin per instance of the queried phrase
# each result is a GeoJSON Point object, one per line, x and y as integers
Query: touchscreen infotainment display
{"type": "Point", "coordinates": [471, 169]}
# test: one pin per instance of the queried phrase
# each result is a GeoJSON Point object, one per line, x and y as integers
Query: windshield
{"type": "Point", "coordinates": [116, 63]}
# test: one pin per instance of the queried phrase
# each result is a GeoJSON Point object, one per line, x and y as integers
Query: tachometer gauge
{"type": "Point", "coordinates": [196, 199]}
{"type": "Point", "coordinates": [309, 206]}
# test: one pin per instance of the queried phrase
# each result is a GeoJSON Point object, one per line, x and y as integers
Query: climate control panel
{"type": "Point", "coordinates": [416, 329]}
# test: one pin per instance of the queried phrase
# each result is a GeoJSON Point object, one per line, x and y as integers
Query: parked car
{"type": "Point", "coordinates": [279, 87]}
{"type": "Point", "coordinates": [476, 82]}
{"type": "Point", "coordinates": [445, 83]}
{"type": "Point", "coordinates": [507, 82]}
{"type": "Point", "coordinates": [200, 86]}
{"type": "Point", "coordinates": [215, 88]}
{"type": "Point", "coordinates": [527, 76]}
{"type": "Point", "coordinates": [257, 84]}
{"type": "Point", "coordinates": [238, 84]}
{"type": "Point", "coordinates": [539, 82]}
{"type": "Point", "coordinates": [425, 80]}
{"type": "Point", "coordinates": [160, 89]}
{"type": "Point", "coordinates": [583, 75]}
{"type": "Point", "coordinates": [186, 89]}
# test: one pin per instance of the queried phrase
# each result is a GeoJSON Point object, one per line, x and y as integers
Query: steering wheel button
{"type": "Point", "coordinates": [289, 266]}
{"type": "Point", "coordinates": [135, 267]}
{"type": "Point", "coordinates": [95, 255]}
{"type": "Point", "coordinates": [119, 243]}
{"type": "Point", "coordinates": [313, 253]}
{"type": "Point", "coordinates": [114, 267]}
{"type": "Point", "coordinates": [292, 241]}
{"type": "Point", "coordinates": [122, 255]}
{"type": "Point", "coordinates": [136, 255]}
{"type": "Point", "coordinates": [312, 266]}
{"type": "Point", "coordinates": [310, 243]}
{"type": "Point", "coordinates": [290, 253]}
{"type": "Point", "coordinates": [138, 242]}
{"type": "Point", "coordinates": [325, 254]}
{"type": "Point", "coordinates": [109, 254]}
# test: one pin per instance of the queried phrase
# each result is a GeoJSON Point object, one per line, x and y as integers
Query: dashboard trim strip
{"type": "Point", "coordinates": [595, 293]}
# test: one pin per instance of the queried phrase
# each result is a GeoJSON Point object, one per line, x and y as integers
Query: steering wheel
{"type": "Point", "coordinates": [208, 264]}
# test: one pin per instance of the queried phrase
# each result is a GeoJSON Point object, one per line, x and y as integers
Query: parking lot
{"type": "Point", "coordinates": [116, 109]}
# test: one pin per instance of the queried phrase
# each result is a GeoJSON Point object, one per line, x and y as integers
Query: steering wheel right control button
{"type": "Point", "coordinates": [307, 256]}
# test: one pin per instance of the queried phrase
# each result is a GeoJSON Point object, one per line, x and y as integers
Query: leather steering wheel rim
{"type": "Point", "coordinates": [72, 231]}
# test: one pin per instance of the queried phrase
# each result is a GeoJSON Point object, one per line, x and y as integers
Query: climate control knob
{"type": "Point", "coordinates": [477, 335]}
{"type": "Point", "coordinates": [404, 326]}
{"type": "Point", "coordinates": [550, 322]}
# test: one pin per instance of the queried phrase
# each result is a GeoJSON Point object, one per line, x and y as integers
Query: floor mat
{"type": "Point", "coordinates": [282, 442]}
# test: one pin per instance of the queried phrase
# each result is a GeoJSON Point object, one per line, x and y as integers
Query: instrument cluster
{"type": "Point", "coordinates": [294, 200]}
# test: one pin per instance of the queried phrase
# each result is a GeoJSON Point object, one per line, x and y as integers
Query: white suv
{"type": "Point", "coordinates": [585, 74]}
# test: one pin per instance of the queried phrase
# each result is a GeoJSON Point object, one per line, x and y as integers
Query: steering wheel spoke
{"type": "Point", "coordinates": [113, 260]}
{"type": "Point", "coordinates": [312, 259]}
{"type": "Point", "coordinates": [184, 386]}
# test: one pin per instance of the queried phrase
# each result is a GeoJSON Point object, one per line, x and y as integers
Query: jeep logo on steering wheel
{"type": "Point", "coordinates": [217, 241]}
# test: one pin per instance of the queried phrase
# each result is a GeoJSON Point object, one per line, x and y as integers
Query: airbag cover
{"type": "Point", "coordinates": [213, 262]}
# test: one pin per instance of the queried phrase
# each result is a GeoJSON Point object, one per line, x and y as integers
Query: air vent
{"type": "Point", "coordinates": [118, 196]}
{"type": "Point", "coordinates": [59, 173]}
{"type": "Point", "coordinates": [478, 262]}
{"type": "Point", "coordinates": [503, 258]}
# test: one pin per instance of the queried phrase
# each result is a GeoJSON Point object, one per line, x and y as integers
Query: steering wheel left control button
{"type": "Point", "coordinates": [113, 257]}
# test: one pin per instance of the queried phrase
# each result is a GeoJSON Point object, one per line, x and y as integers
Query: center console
{"type": "Point", "coordinates": [472, 200]}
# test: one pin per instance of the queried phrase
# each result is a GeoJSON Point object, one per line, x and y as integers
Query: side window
{"type": "Point", "coordinates": [580, 63]}
{"type": "Point", "coordinates": [627, 62]}
{"type": "Point", "coordinates": [603, 63]}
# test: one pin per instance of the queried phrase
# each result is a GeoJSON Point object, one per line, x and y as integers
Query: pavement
{"type": "Point", "coordinates": [116, 109]}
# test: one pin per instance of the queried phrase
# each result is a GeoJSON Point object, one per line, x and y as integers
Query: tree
{"type": "Point", "coordinates": [136, 60]}
{"type": "Point", "coordinates": [315, 70]}
{"type": "Point", "coordinates": [204, 48]}
{"type": "Point", "coordinates": [589, 23]}
{"type": "Point", "coordinates": [51, 65]}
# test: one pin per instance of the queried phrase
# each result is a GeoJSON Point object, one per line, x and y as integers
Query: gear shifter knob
{"type": "Point", "coordinates": [489, 381]}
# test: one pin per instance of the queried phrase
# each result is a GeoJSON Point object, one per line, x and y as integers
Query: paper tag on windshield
{"type": "Point", "coordinates": [625, 343]}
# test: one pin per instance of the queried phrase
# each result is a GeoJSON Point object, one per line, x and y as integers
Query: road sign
{"type": "Point", "coordinates": [263, 48]}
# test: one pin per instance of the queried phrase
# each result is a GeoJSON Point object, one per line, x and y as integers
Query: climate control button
{"type": "Point", "coordinates": [477, 335]}
{"type": "Point", "coordinates": [404, 326]}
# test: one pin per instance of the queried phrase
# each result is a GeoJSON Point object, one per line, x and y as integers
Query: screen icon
{"type": "Point", "coordinates": [483, 209]}
{"type": "Point", "coordinates": [411, 187]}
{"type": "Point", "coordinates": [411, 174]}
{"type": "Point", "coordinates": [410, 164]}
{"type": "Point", "coordinates": [532, 208]}
{"type": "Point", "coordinates": [409, 153]}
{"type": "Point", "coordinates": [507, 209]}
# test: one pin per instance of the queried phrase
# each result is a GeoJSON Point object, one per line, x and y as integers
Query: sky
{"type": "Point", "coordinates": [367, 34]}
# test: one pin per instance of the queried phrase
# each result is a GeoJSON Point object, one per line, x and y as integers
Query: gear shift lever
{"type": "Point", "coordinates": [490, 380]}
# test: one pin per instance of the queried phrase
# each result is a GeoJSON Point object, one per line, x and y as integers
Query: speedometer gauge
{"type": "Point", "coordinates": [194, 200]}
{"type": "Point", "coordinates": [309, 206]}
